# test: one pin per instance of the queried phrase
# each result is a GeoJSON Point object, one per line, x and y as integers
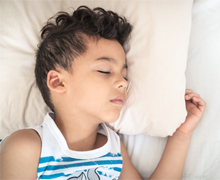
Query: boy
{"type": "Point", "coordinates": [81, 73]}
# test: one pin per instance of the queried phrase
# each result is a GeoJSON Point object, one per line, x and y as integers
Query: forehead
{"type": "Point", "coordinates": [104, 50]}
{"type": "Point", "coordinates": [110, 60]}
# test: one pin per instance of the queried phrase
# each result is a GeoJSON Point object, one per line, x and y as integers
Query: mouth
{"type": "Point", "coordinates": [118, 102]}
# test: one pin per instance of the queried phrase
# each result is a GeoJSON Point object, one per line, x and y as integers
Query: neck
{"type": "Point", "coordinates": [79, 134]}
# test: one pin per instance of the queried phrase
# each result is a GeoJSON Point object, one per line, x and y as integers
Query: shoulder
{"type": "Point", "coordinates": [25, 138]}
{"type": "Point", "coordinates": [20, 154]}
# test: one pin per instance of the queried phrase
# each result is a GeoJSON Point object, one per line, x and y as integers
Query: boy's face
{"type": "Point", "coordinates": [97, 78]}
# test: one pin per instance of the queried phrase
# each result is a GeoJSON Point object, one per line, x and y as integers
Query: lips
{"type": "Point", "coordinates": [119, 100]}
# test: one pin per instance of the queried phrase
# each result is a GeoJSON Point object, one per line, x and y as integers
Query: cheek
{"type": "Point", "coordinates": [90, 91]}
{"type": "Point", "coordinates": [94, 94]}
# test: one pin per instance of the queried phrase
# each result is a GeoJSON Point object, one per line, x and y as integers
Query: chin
{"type": "Point", "coordinates": [113, 119]}
{"type": "Point", "coordinates": [110, 116]}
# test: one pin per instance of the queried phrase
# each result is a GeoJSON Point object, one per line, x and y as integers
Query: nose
{"type": "Point", "coordinates": [122, 83]}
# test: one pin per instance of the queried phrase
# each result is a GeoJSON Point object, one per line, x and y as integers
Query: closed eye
{"type": "Point", "coordinates": [104, 72]}
{"type": "Point", "coordinates": [109, 73]}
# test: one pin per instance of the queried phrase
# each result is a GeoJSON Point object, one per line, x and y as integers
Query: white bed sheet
{"type": "Point", "coordinates": [203, 77]}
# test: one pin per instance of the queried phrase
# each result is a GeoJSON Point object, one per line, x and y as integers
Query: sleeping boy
{"type": "Point", "coordinates": [81, 73]}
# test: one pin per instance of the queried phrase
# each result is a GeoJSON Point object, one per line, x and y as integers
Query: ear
{"type": "Point", "coordinates": [55, 81]}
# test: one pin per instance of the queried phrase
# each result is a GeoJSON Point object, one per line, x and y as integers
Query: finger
{"type": "Point", "coordinates": [194, 100]}
{"type": "Point", "coordinates": [202, 104]}
{"type": "Point", "coordinates": [191, 95]}
{"type": "Point", "coordinates": [199, 102]}
{"type": "Point", "coordinates": [188, 90]}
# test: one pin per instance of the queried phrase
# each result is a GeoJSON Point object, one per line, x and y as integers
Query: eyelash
{"type": "Point", "coordinates": [104, 72]}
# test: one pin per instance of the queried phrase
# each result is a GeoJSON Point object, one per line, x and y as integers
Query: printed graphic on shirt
{"type": "Point", "coordinates": [93, 174]}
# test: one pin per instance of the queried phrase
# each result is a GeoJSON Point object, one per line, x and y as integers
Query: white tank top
{"type": "Point", "coordinates": [57, 161]}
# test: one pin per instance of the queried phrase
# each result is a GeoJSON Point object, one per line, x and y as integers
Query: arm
{"type": "Point", "coordinates": [20, 155]}
{"type": "Point", "coordinates": [172, 162]}
{"type": "Point", "coordinates": [173, 159]}
{"type": "Point", "coordinates": [128, 169]}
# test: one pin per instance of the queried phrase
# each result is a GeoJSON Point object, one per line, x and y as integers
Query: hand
{"type": "Point", "coordinates": [195, 107]}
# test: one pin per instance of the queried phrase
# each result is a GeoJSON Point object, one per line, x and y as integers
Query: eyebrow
{"type": "Point", "coordinates": [110, 60]}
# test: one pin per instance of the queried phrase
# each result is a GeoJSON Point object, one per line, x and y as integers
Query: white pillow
{"type": "Point", "coordinates": [156, 62]}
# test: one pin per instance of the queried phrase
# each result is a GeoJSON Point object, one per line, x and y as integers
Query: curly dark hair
{"type": "Point", "coordinates": [64, 39]}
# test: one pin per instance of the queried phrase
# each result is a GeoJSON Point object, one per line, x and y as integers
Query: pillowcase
{"type": "Point", "coordinates": [156, 60]}
{"type": "Point", "coordinates": [156, 68]}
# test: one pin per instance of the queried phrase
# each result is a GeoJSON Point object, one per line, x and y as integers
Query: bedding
{"type": "Point", "coordinates": [193, 32]}
{"type": "Point", "coordinates": [156, 58]}
{"type": "Point", "coordinates": [203, 77]}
